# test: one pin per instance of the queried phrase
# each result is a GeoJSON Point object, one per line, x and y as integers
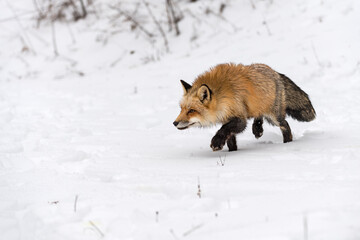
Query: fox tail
{"type": "Point", "coordinates": [298, 104]}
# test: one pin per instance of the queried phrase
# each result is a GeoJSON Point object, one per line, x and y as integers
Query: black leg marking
{"type": "Point", "coordinates": [231, 143]}
{"type": "Point", "coordinates": [257, 128]}
{"type": "Point", "coordinates": [234, 126]}
{"type": "Point", "coordinates": [286, 131]}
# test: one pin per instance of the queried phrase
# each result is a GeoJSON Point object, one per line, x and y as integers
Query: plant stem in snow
{"type": "Point", "coordinates": [53, 33]}
{"type": "Point", "coordinates": [70, 32]}
{"type": "Point", "coordinates": [199, 189]}
{"type": "Point", "coordinates": [75, 203]}
{"type": "Point", "coordinates": [157, 216]}
{"type": "Point", "coordinates": [97, 229]}
{"type": "Point", "coordinates": [267, 27]}
{"type": "Point", "coordinates": [136, 23]}
{"type": "Point", "coordinates": [316, 56]}
{"type": "Point", "coordinates": [252, 4]}
{"type": "Point", "coordinates": [221, 161]}
{"type": "Point", "coordinates": [166, 43]}
{"type": "Point", "coordinates": [173, 234]}
{"type": "Point", "coordinates": [175, 20]}
{"type": "Point", "coordinates": [192, 230]}
{"type": "Point", "coordinates": [26, 37]}
{"type": "Point", "coordinates": [83, 8]}
{"type": "Point", "coordinates": [305, 226]}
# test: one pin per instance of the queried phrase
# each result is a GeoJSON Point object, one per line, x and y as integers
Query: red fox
{"type": "Point", "coordinates": [232, 93]}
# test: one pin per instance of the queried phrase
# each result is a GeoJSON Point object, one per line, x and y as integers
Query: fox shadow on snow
{"type": "Point", "coordinates": [269, 141]}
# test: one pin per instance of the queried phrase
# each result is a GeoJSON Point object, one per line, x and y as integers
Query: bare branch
{"type": "Point", "coordinates": [83, 9]}
{"type": "Point", "coordinates": [175, 19]}
{"type": "Point", "coordinates": [53, 34]}
{"type": "Point", "coordinates": [208, 10]}
{"type": "Point", "coordinates": [136, 23]}
{"type": "Point", "coordinates": [26, 37]}
{"type": "Point", "coordinates": [222, 7]}
{"type": "Point", "coordinates": [168, 14]}
{"type": "Point", "coordinates": [166, 43]}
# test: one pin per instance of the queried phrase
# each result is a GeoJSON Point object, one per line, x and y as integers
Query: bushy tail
{"type": "Point", "coordinates": [298, 104]}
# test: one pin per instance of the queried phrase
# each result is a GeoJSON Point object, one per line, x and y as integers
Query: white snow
{"type": "Point", "coordinates": [96, 122]}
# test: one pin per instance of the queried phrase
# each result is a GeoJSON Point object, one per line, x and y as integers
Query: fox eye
{"type": "Point", "coordinates": [191, 111]}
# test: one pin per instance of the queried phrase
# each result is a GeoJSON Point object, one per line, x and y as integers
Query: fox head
{"type": "Point", "coordinates": [196, 105]}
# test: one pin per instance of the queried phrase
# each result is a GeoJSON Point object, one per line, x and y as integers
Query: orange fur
{"type": "Point", "coordinates": [231, 93]}
{"type": "Point", "coordinates": [237, 91]}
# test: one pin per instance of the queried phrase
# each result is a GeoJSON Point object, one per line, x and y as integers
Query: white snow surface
{"type": "Point", "coordinates": [95, 123]}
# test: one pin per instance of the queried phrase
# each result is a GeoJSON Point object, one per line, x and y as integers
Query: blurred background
{"type": "Point", "coordinates": [78, 37]}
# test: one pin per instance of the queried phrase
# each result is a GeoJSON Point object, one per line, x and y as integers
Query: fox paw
{"type": "Point", "coordinates": [258, 134]}
{"type": "Point", "coordinates": [217, 142]}
{"type": "Point", "coordinates": [257, 131]}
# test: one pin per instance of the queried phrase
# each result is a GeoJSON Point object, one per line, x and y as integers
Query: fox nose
{"type": "Point", "coordinates": [175, 123]}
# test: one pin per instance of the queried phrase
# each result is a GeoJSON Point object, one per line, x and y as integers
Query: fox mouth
{"type": "Point", "coordinates": [182, 128]}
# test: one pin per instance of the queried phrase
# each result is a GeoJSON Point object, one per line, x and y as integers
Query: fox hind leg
{"type": "Point", "coordinates": [257, 128]}
{"type": "Point", "coordinates": [231, 143]}
{"type": "Point", "coordinates": [286, 131]}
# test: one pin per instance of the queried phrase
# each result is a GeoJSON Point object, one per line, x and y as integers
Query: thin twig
{"type": "Point", "coordinates": [175, 20]}
{"type": "Point", "coordinates": [136, 23]}
{"type": "Point", "coordinates": [222, 8]}
{"type": "Point", "coordinates": [267, 27]}
{"type": "Point", "coordinates": [193, 229]}
{"type": "Point", "coordinates": [53, 34]}
{"type": "Point", "coordinates": [316, 56]}
{"type": "Point", "coordinates": [83, 8]}
{"type": "Point", "coordinates": [23, 61]}
{"type": "Point", "coordinates": [252, 4]}
{"type": "Point", "coordinates": [113, 64]}
{"type": "Point", "coordinates": [173, 234]}
{"type": "Point", "coordinates": [168, 16]}
{"type": "Point", "coordinates": [40, 38]}
{"type": "Point", "coordinates": [18, 15]}
{"type": "Point", "coordinates": [166, 43]}
{"type": "Point", "coordinates": [97, 229]}
{"type": "Point", "coordinates": [199, 188]}
{"type": "Point", "coordinates": [70, 32]}
{"type": "Point", "coordinates": [37, 6]}
{"type": "Point", "coordinates": [223, 18]}
{"type": "Point", "coordinates": [75, 203]}
{"type": "Point", "coordinates": [157, 216]}
{"type": "Point", "coordinates": [21, 26]}
{"type": "Point", "coordinates": [41, 14]}
{"type": "Point", "coordinates": [221, 161]}
{"type": "Point", "coordinates": [305, 227]}
{"type": "Point", "coordinates": [136, 9]}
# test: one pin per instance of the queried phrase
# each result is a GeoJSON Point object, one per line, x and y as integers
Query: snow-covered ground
{"type": "Point", "coordinates": [95, 124]}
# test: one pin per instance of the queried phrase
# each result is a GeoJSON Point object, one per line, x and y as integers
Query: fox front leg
{"type": "Point", "coordinates": [227, 133]}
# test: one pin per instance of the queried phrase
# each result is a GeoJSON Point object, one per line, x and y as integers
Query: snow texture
{"type": "Point", "coordinates": [88, 149]}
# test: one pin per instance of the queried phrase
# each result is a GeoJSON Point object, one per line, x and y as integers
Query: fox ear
{"type": "Point", "coordinates": [185, 86]}
{"type": "Point", "coordinates": [204, 93]}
